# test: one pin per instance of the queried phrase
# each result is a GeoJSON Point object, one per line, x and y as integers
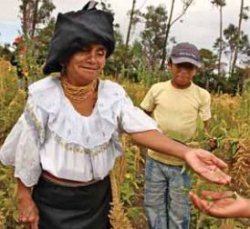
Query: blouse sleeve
{"type": "Point", "coordinates": [132, 119]}
{"type": "Point", "coordinates": [22, 145]}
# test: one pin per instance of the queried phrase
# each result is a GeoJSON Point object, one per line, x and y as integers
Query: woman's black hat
{"type": "Point", "coordinates": [74, 30]}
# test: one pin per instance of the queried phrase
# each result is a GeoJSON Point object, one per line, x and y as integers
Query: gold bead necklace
{"type": "Point", "coordinates": [78, 94]}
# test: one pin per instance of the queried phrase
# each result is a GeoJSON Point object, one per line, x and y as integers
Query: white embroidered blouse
{"type": "Point", "coordinates": [51, 135]}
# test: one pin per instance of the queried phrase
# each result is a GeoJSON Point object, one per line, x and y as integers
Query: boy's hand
{"type": "Point", "coordinates": [212, 144]}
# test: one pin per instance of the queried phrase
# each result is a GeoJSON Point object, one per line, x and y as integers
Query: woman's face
{"type": "Point", "coordinates": [85, 66]}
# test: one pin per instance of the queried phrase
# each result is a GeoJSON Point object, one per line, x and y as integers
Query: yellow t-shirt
{"type": "Point", "coordinates": [176, 111]}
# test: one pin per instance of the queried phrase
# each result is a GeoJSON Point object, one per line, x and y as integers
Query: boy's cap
{"type": "Point", "coordinates": [185, 53]}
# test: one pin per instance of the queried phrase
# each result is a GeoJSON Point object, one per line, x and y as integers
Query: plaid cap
{"type": "Point", "coordinates": [186, 53]}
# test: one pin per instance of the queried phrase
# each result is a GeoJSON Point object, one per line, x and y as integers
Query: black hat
{"type": "Point", "coordinates": [74, 30]}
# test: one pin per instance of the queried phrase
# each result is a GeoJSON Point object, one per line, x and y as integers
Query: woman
{"type": "Point", "coordinates": [65, 143]}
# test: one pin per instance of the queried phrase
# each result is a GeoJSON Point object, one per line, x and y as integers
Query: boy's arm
{"type": "Point", "coordinates": [148, 103]}
{"type": "Point", "coordinates": [212, 141]}
{"type": "Point", "coordinates": [205, 110]}
{"type": "Point", "coordinates": [206, 125]}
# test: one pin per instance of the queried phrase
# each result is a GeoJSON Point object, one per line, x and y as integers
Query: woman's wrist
{"type": "Point", "coordinates": [179, 149]}
{"type": "Point", "coordinates": [23, 192]}
{"type": "Point", "coordinates": [187, 153]}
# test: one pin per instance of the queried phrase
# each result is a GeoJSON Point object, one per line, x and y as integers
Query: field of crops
{"type": "Point", "coordinates": [229, 125]}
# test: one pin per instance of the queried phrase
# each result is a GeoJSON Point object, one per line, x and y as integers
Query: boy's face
{"type": "Point", "coordinates": [182, 74]}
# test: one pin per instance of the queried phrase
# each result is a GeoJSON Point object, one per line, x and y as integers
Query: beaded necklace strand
{"type": "Point", "coordinates": [78, 94]}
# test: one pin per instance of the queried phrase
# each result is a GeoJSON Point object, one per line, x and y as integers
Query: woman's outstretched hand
{"type": "Point", "coordinates": [222, 204]}
{"type": "Point", "coordinates": [207, 165]}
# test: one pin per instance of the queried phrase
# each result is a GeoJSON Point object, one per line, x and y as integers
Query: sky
{"type": "Point", "coordinates": [200, 24]}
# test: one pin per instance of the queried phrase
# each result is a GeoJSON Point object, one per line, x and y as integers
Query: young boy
{"type": "Point", "coordinates": [175, 105]}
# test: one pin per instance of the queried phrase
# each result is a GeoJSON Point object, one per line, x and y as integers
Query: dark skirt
{"type": "Point", "coordinates": [63, 207]}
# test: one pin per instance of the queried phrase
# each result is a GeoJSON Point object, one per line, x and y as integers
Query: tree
{"type": "Point", "coordinates": [130, 23]}
{"type": "Point", "coordinates": [35, 13]}
{"type": "Point", "coordinates": [220, 4]}
{"type": "Point", "coordinates": [134, 18]}
{"type": "Point", "coordinates": [186, 4]}
{"type": "Point", "coordinates": [234, 41]}
{"type": "Point", "coordinates": [41, 41]}
{"type": "Point", "coordinates": [153, 35]}
{"type": "Point", "coordinates": [35, 17]}
{"type": "Point", "coordinates": [242, 16]}
{"type": "Point", "coordinates": [236, 78]}
{"type": "Point", "coordinates": [206, 77]}
{"type": "Point", "coordinates": [115, 61]}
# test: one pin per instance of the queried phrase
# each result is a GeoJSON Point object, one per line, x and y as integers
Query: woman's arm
{"type": "Point", "coordinates": [201, 161]}
{"type": "Point", "coordinates": [28, 212]}
{"type": "Point", "coordinates": [157, 141]}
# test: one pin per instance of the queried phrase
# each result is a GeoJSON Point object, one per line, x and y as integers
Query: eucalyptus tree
{"type": "Point", "coordinates": [236, 42]}
{"type": "Point", "coordinates": [153, 35]}
{"type": "Point", "coordinates": [205, 76]}
{"type": "Point", "coordinates": [35, 13]}
{"type": "Point", "coordinates": [170, 22]}
{"type": "Point", "coordinates": [230, 40]}
{"type": "Point", "coordinates": [41, 41]}
{"type": "Point", "coordinates": [242, 16]}
{"type": "Point", "coordinates": [134, 18]}
{"type": "Point", "coordinates": [241, 43]}
{"type": "Point", "coordinates": [115, 61]}
{"type": "Point", "coordinates": [132, 11]}
{"type": "Point", "coordinates": [220, 4]}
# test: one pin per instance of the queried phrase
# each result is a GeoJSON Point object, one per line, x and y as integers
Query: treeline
{"type": "Point", "coordinates": [144, 58]}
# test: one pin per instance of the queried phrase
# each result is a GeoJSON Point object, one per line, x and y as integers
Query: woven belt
{"type": "Point", "coordinates": [64, 182]}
